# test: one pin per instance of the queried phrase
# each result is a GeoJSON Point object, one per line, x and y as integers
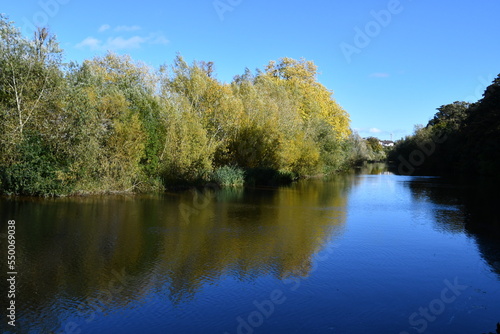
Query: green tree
{"type": "Point", "coordinates": [31, 82]}
{"type": "Point", "coordinates": [114, 124]}
{"type": "Point", "coordinates": [374, 144]}
{"type": "Point", "coordinates": [450, 116]}
{"type": "Point", "coordinates": [480, 134]}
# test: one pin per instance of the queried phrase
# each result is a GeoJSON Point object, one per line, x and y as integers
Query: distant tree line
{"type": "Point", "coordinates": [112, 124]}
{"type": "Point", "coordinates": [462, 139]}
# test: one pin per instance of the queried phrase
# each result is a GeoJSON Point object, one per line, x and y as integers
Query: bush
{"type": "Point", "coordinates": [229, 176]}
{"type": "Point", "coordinates": [38, 172]}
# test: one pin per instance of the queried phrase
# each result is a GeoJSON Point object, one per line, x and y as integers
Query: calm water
{"type": "Point", "coordinates": [361, 253]}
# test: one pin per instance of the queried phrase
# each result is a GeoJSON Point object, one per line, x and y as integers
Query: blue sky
{"type": "Point", "coordinates": [389, 63]}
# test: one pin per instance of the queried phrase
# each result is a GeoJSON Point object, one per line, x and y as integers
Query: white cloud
{"type": "Point", "coordinates": [127, 28]}
{"type": "Point", "coordinates": [380, 75]}
{"type": "Point", "coordinates": [122, 43]}
{"type": "Point", "coordinates": [104, 27]}
{"type": "Point", "coordinates": [91, 43]}
{"type": "Point", "coordinates": [393, 134]}
{"type": "Point", "coordinates": [158, 38]}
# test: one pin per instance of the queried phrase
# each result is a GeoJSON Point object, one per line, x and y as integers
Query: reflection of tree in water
{"type": "Point", "coordinates": [372, 168]}
{"type": "Point", "coordinates": [265, 232]}
{"type": "Point", "coordinates": [447, 207]}
{"type": "Point", "coordinates": [69, 248]}
{"type": "Point", "coordinates": [470, 208]}
{"type": "Point", "coordinates": [483, 221]}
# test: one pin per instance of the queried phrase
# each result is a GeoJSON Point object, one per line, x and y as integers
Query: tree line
{"type": "Point", "coordinates": [461, 139]}
{"type": "Point", "coordinates": [112, 124]}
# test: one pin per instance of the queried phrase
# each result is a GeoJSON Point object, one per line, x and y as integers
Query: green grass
{"type": "Point", "coordinates": [229, 176]}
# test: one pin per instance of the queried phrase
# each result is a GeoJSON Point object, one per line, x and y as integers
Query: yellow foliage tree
{"type": "Point", "coordinates": [300, 78]}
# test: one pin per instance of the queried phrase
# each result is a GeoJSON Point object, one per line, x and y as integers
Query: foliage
{"type": "Point", "coordinates": [377, 150]}
{"type": "Point", "coordinates": [461, 138]}
{"type": "Point", "coordinates": [187, 153]}
{"type": "Point", "coordinates": [111, 124]}
{"type": "Point", "coordinates": [314, 100]}
{"type": "Point", "coordinates": [36, 172]}
{"type": "Point", "coordinates": [450, 117]}
{"type": "Point", "coordinates": [228, 176]}
{"type": "Point", "coordinates": [358, 149]}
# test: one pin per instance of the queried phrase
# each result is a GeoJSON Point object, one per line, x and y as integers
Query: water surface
{"type": "Point", "coordinates": [369, 252]}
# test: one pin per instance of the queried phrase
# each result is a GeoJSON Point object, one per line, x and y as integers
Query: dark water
{"type": "Point", "coordinates": [359, 253]}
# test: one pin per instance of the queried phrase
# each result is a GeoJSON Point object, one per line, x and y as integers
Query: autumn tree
{"type": "Point", "coordinates": [31, 81]}
{"type": "Point", "coordinates": [300, 78]}
{"type": "Point", "coordinates": [111, 124]}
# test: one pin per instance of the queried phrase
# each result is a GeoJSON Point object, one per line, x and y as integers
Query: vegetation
{"type": "Point", "coordinates": [377, 151]}
{"type": "Point", "coordinates": [112, 124]}
{"type": "Point", "coordinates": [462, 138]}
{"type": "Point", "coordinates": [229, 176]}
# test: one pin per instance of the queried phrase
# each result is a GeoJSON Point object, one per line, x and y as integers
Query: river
{"type": "Point", "coordinates": [365, 252]}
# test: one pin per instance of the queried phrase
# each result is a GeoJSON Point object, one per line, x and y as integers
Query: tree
{"type": "Point", "coordinates": [31, 82]}
{"type": "Point", "coordinates": [374, 144]}
{"type": "Point", "coordinates": [481, 132]}
{"type": "Point", "coordinates": [450, 116]}
{"type": "Point", "coordinates": [300, 78]}
{"type": "Point", "coordinates": [29, 77]}
{"type": "Point", "coordinates": [113, 124]}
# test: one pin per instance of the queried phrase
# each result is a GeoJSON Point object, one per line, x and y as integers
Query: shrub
{"type": "Point", "coordinates": [38, 172]}
{"type": "Point", "coordinates": [229, 176]}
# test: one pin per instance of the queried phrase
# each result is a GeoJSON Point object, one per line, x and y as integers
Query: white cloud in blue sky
{"type": "Point", "coordinates": [127, 28]}
{"type": "Point", "coordinates": [91, 43]}
{"type": "Point", "coordinates": [379, 75]}
{"type": "Point", "coordinates": [104, 27]}
{"type": "Point", "coordinates": [120, 42]}
{"type": "Point", "coordinates": [375, 130]}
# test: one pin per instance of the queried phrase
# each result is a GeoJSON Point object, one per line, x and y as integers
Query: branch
{"type": "Point", "coordinates": [18, 100]}
{"type": "Point", "coordinates": [36, 102]}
